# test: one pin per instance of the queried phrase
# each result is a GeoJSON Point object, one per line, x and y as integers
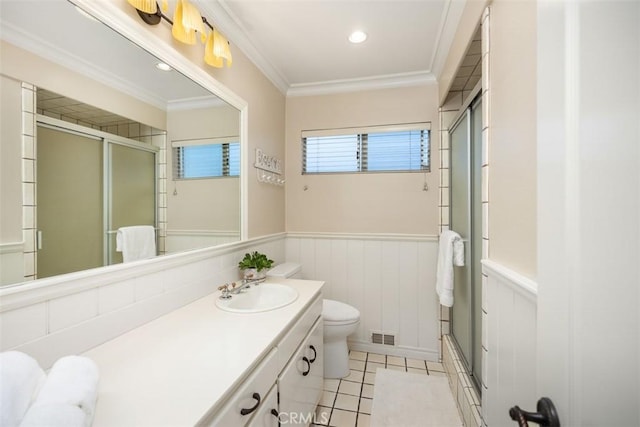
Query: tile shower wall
{"type": "Point", "coordinates": [466, 396]}
{"type": "Point", "coordinates": [70, 314]}
{"type": "Point", "coordinates": [390, 280]}
{"type": "Point", "coordinates": [29, 181]}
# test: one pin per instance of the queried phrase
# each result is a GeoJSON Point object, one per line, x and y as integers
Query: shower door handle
{"type": "Point", "coordinates": [546, 416]}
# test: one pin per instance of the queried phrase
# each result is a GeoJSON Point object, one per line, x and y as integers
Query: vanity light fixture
{"type": "Point", "coordinates": [148, 6]}
{"type": "Point", "coordinates": [187, 26]}
{"type": "Point", "coordinates": [357, 37]}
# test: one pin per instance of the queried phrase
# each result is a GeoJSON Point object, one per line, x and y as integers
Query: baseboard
{"type": "Point", "coordinates": [400, 351]}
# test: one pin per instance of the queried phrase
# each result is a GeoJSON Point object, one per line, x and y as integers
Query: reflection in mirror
{"type": "Point", "coordinates": [116, 142]}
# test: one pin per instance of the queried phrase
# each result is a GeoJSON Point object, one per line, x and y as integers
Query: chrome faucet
{"type": "Point", "coordinates": [245, 283]}
{"type": "Point", "coordinates": [235, 289]}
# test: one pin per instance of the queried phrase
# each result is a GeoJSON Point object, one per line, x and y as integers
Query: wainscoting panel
{"type": "Point", "coordinates": [511, 343]}
{"type": "Point", "coordinates": [11, 263]}
{"type": "Point", "coordinates": [389, 279]}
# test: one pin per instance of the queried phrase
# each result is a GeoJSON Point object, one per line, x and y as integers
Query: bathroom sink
{"type": "Point", "coordinates": [257, 298]}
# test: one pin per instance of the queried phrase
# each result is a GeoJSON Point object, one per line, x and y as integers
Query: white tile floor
{"type": "Point", "coordinates": [347, 402]}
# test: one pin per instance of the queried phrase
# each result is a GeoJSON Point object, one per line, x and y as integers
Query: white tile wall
{"type": "Point", "coordinates": [76, 312]}
{"type": "Point", "coordinates": [118, 295]}
{"type": "Point", "coordinates": [23, 325]}
{"type": "Point", "coordinates": [72, 309]}
{"type": "Point", "coordinates": [390, 280]}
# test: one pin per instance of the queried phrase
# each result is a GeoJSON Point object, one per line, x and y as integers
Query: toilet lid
{"type": "Point", "coordinates": [336, 311]}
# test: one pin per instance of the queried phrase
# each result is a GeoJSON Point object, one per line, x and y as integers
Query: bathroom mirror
{"type": "Point", "coordinates": [168, 113]}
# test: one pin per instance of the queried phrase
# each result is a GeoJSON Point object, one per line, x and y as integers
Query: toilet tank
{"type": "Point", "coordinates": [287, 270]}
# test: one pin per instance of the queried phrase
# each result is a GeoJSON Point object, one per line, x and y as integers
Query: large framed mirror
{"type": "Point", "coordinates": [117, 142]}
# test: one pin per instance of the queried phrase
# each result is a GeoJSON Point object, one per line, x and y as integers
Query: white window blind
{"type": "Point", "coordinates": [203, 159]}
{"type": "Point", "coordinates": [398, 148]}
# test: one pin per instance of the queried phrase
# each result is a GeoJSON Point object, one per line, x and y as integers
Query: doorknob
{"type": "Point", "coordinates": [546, 416]}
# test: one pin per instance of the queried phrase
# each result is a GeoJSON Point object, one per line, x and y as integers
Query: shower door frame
{"type": "Point", "coordinates": [107, 140]}
{"type": "Point", "coordinates": [465, 114]}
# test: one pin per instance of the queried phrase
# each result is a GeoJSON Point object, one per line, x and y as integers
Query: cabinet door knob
{"type": "Point", "coordinates": [245, 411]}
{"type": "Point", "coordinates": [305, 360]}
{"type": "Point", "coordinates": [315, 353]}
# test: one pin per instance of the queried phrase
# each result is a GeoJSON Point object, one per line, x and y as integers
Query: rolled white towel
{"type": "Point", "coordinates": [55, 415]}
{"type": "Point", "coordinates": [20, 379]}
{"type": "Point", "coordinates": [73, 380]}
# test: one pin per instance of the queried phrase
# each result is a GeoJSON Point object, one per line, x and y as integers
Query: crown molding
{"type": "Point", "coordinates": [449, 22]}
{"type": "Point", "coordinates": [227, 23]}
{"type": "Point", "coordinates": [195, 103]}
{"type": "Point", "coordinates": [18, 37]}
{"type": "Point", "coordinates": [367, 83]}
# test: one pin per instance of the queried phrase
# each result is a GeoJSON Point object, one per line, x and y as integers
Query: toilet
{"type": "Point", "coordinates": [339, 321]}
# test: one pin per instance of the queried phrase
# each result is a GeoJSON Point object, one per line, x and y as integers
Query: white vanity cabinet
{"type": "Point", "coordinates": [288, 380]}
{"type": "Point", "coordinates": [200, 365]}
{"type": "Point", "coordinates": [267, 415]}
{"type": "Point", "coordinates": [300, 383]}
{"type": "Point", "coordinates": [249, 399]}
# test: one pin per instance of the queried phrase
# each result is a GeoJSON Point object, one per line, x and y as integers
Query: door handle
{"type": "Point", "coordinates": [305, 360]}
{"type": "Point", "coordinates": [547, 416]}
{"type": "Point", "coordinates": [315, 354]}
{"type": "Point", "coordinates": [247, 411]}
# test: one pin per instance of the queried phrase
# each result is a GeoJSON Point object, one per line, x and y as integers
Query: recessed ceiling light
{"type": "Point", "coordinates": [162, 66]}
{"type": "Point", "coordinates": [358, 37]}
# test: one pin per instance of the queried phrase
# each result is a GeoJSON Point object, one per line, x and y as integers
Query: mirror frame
{"type": "Point", "coordinates": [116, 18]}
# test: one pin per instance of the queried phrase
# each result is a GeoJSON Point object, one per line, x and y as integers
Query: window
{"type": "Point", "coordinates": [191, 161]}
{"type": "Point", "coordinates": [403, 148]}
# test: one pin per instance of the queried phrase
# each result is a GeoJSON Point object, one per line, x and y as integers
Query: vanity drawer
{"type": "Point", "coordinates": [254, 388]}
{"type": "Point", "coordinates": [298, 332]}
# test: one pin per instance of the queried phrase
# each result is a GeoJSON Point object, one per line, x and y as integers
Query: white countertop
{"type": "Point", "coordinates": [173, 370]}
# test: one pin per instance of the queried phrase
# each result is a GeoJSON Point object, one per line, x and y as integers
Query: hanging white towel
{"type": "Point", "coordinates": [20, 379]}
{"type": "Point", "coordinates": [136, 242]}
{"type": "Point", "coordinates": [450, 253]}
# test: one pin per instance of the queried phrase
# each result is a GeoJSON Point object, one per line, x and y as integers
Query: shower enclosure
{"type": "Point", "coordinates": [88, 185]}
{"type": "Point", "coordinates": [465, 200]}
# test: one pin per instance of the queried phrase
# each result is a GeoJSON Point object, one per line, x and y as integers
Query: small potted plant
{"type": "Point", "coordinates": [255, 265]}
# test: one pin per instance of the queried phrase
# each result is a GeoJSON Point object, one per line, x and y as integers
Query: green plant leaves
{"type": "Point", "coordinates": [255, 260]}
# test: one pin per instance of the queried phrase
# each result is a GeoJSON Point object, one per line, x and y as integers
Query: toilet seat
{"type": "Point", "coordinates": [336, 313]}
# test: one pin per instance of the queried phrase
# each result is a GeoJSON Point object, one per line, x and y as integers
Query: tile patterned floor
{"type": "Point", "coordinates": [347, 402]}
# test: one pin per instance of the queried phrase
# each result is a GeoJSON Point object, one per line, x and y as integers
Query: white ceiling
{"type": "Point", "coordinates": [302, 46]}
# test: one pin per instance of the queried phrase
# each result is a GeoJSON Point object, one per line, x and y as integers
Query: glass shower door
{"type": "Point", "coordinates": [132, 193]}
{"type": "Point", "coordinates": [69, 202]}
{"type": "Point", "coordinates": [466, 220]}
{"type": "Point", "coordinates": [460, 222]}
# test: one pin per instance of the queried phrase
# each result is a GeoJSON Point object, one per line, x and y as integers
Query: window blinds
{"type": "Point", "coordinates": [400, 148]}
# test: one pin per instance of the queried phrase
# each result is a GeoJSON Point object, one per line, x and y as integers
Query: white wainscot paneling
{"type": "Point", "coordinates": [11, 263]}
{"type": "Point", "coordinates": [510, 335]}
{"type": "Point", "coordinates": [389, 279]}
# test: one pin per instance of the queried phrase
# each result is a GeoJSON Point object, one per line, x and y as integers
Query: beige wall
{"type": "Point", "coordinates": [361, 203]}
{"type": "Point", "coordinates": [512, 148]}
{"type": "Point", "coordinates": [10, 160]}
{"type": "Point", "coordinates": [202, 204]}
